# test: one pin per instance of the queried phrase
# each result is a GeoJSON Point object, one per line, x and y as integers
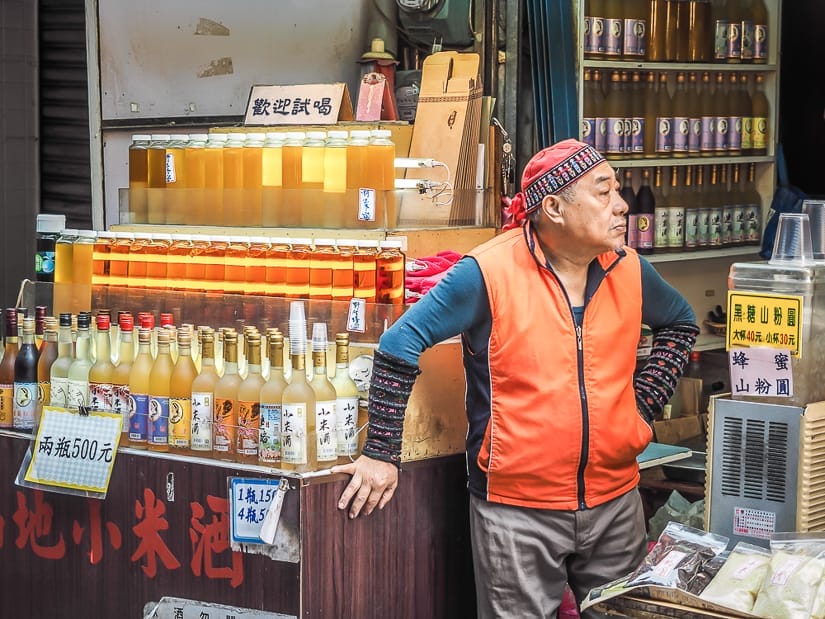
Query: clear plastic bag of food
{"type": "Point", "coordinates": [707, 572]}
{"type": "Point", "coordinates": [738, 581]}
{"type": "Point", "coordinates": [793, 578]}
{"type": "Point", "coordinates": [677, 557]}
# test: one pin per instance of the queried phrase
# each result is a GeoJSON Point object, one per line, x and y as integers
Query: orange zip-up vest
{"type": "Point", "coordinates": [563, 430]}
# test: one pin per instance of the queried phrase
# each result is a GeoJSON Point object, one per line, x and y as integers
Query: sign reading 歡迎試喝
{"type": "Point", "coordinates": [298, 104]}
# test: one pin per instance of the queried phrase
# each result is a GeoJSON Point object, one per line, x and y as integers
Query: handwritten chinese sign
{"type": "Point", "coordinates": [765, 321]}
{"type": "Point", "coordinates": [75, 451]}
{"type": "Point", "coordinates": [179, 608]}
{"type": "Point", "coordinates": [300, 104]}
{"type": "Point", "coordinates": [250, 500]}
{"type": "Point", "coordinates": [761, 372]}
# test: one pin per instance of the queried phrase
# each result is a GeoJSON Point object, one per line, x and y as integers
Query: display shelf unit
{"type": "Point", "coordinates": [676, 66]}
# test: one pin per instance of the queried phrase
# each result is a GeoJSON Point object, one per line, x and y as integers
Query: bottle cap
{"type": "Point", "coordinates": [161, 236]}
{"type": "Point", "coordinates": [181, 237]}
{"type": "Point", "coordinates": [236, 137]}
{"type": "Point", "coordinates": [346, 242]}
{"type": "Point", "coordinates": [275, 136]}
{"type": "Point", "coordinates": [163, 336]}
{"type": "Point", "coordinates": [255, 137]}
{"type": "Point", "coordinates": [242, 240]}
{"type": "Point", "coordinates": [296, 136]}
{"type": "Point", "coordinates": [319, 337]}
{"type": "Point", "coordinates": [40, 311]}
{"type": "Point", "coordinates": [146, 322]}
{"type": "Point", "coordinates": [144, 335]}
{"type": "Point", "coordinates": [103, 321]}
{"type": "Point", "coordinates": [28, 326]}
{"type": "Point", "coordinates": [84, 320]}
{"type": "Point", "coordinates": [218, 137]}
{"type": "Point", "coordinates": [391, 244]}
{"type": "Point", "coordinates": [128, 236]}
{"type": "Point", "coordinates": [360, 134]}
{"type": "Point", "coordinates": [65, 319]}
{"type": "Point", "coordinates": [126, 322]}
{"type": "Point", "coordinates": [370, 243]}
{"type": "Point", "coordinates": [381, 133]}
{"type": "Point", "coordinates": [199, 238]}
{"type": "Point", "coordinates": [142, 236]}
{"type": "Point", "coordinates": [166, 318]}
{"type": "Point", "coordinates": [259, 240]}
{"type": "Point", "coordinates": [50, 224]}
{"type": "Point", "coordinates": [280, 240]}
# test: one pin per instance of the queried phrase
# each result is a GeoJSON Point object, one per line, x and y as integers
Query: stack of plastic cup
{"type": "Point", "coordinates": [297, 328]}
{"type": "Point", "coordinates": [319, 337]}
{"type": "Point", "coordinates": [793, 240]}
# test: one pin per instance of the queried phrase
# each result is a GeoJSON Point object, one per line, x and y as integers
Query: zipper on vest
{"type": "Point", "coordinates": [585, 417]}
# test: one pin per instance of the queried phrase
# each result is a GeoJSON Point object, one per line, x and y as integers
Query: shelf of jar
{"type": "Point", "coordinates": [677, 66]}
{"type": "Point", "coordinates": [751, 251]}
{"type": "Point", "coordinates": [683, 161]}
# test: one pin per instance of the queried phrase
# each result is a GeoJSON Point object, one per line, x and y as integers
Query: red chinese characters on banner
{"type": "Point", "coordinates": [212, 538]}
{"type": "Point", "coordinates": [151, 522]}
{"type": "Point", "coordinates": [96, 533]}
{"type": "Point", "coordinates": [34, 526]}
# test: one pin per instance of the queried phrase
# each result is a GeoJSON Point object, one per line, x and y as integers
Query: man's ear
{"type": "Point", "coordinates": [552, 207]}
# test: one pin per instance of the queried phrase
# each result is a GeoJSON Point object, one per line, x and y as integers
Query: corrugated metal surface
{"type": "Point", "coordinates": [64, 112]}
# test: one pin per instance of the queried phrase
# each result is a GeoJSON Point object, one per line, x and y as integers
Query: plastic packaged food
{"type": "Point", "coordinates": [738, 581]}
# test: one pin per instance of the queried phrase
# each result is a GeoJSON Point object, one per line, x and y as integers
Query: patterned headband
{"type": "Point", "coordinates": [561, 175]}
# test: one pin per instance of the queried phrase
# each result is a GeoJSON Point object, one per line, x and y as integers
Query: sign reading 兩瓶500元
{"type": "Point", "coordinates": [764, 320]}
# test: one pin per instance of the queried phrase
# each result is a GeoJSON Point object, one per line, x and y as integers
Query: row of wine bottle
{"type": "Point", "coordinates": [639, 118]}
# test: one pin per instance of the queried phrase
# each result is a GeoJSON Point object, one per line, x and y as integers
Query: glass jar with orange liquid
{"type": "Point", "coordinates": [390, 270]}
{"type": "Point", "coordinates": [272, 179]}
{"type": "Point", "coordinates": [297, 269]}
{"type": "Point", "coordinates": [213, 179]}
{"type": "Point", "coordinates": [255, 272]}
{"type": "Point", "coordinates": [195, 263]}
{"type": "Point", "coordinates": [63, 263]}
{"type": "Point", "coordinates": [335, 179]}
{"type": "Point", "coordinates": [138, 260]}
{"type": "Point", "coordinates": [292, 178]}
{"type": "Point", "coordinates": [277, 260]}
{"type": "Point", "coordinates": [342, 270]}
{"type": "Point", "coordinates": [252, 211]}
{"type": "Point", "coordinates": [320, 269]}
{"type": "Point", "coordinates": [237, 254]}
{"type": "Point", "coordinates": [312, 179]}
{"type": "Point", "coordinates": [157, 252]}
{"type": "Point", "coordinates": [195, 180]}
{"type": "Point", "coordinates": [176, 258]}
{"type": "Point", "coordinates": [380, 160]}
{"type": "Point", "coordinates": [119, 258]}
{"type": "Point", "coordinates": [364, 267]}
{"type": "Point", "coordinates": [156, 179]}
{"type": "Point", "coordinates": [138, 177]}
{"type": "Point", "coordinates": [82, 252]}
{"type": "Point", "coordinates": [215, 271]}
{"type": "Point", "coordinates": [233, 179]}
{"type": "Point", "coordinates": [176, 205]}
{"type": "Point", "coordinates": [101, 259]}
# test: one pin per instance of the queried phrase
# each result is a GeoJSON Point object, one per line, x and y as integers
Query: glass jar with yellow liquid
{"type": "Point", "coordinates": [272, 179]}
{"type": "Point", "coordinates": [312, 179]}
{"type": "Point", "coordinates": [390, 271]}
{"type": "Point", "coordinates": [237, 254]}
{"type": "Point", "coordinates": [138, 177]}
{"type": "Point", "coordinates": [157, 252]}
{"type": "Point", "coordinates": [233, 179]}
{"type": "Point", "coordinates": [195, 263]}
{"type": "Point", "coordinates": [100, 258]}
{"type": "Point", "coordinates": [177, 257]}
{"type": "Point", "coordinates": [176, 205]}
{"type": "Point", "coordinates": [364, 267]}
{"type": "Point", "coordinates": [213, 179]}
{"type": "Point", "coordinates": [195, 180]}
{"type": "Point", "coordinates": [335, 179]}
{"type": "Point", "coordinates": [255, 270]}
{"type": "Point", "coordinates": [156, 179]}
{"type": "Point", "coordinates": [82, 252]}
{"type": "Point", "coordinates": [63, 264]}
{"type": "Point", "coordinates": [292, 178]}
{"type": "Point", "coordinates": [277, 260]}
{"type": "Point", "coordinates": [215, 264]}
{"type": "Point", "coordinates": [320, 269]}
{"type": "Point", "coordinates": [252, 211]}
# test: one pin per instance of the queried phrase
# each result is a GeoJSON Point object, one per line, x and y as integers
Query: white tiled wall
{"type": "Point", "coordinates": [18, 144]}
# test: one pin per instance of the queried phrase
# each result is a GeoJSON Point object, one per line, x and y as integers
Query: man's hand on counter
{"type": "Point", "coordinates": [373, 483]}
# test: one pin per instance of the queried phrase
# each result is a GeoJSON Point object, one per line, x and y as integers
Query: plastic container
{"type": "Point", "coordinates": [792, 244]}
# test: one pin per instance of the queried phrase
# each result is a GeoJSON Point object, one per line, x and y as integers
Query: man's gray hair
{"type": "Point", "coordinates": [568, 194]}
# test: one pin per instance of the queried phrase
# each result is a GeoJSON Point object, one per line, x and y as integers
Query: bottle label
{"type": "Point", "coordinates": [635, 37]}
{"type": "Point", "coordinates": [346, 410]}
{"type": "Point", "coordinates": [632, 239]}
{"type": "Point", "coordinates": [589, 131]}
{"type": "Point", "coordinates": [720, 138]}
{"type": "Point", "coordinates": [201, 429]}
{"type": "Point", "coordinates": [59, 391]}
{"type": "Point", "coordinates": [708, 134]}
{"type": "Point", "coordinates": [747, 133]}
{"type": "Point", "coordinates": [25, 405]}
{"type": "Point", "coordinates": [727, 224]}
{"type": "Point", "coordinates": [171, 175]}
{"type": "Point", "coordinates": [676, 226]}
{"type": "Point", "coordinates": [595, 40]}
{"type": "Point", "coordinates": [637, 135]}
{"type": "Point", "coordinates": [6, 406]}
{"type": "Point", "coordinates": [588, 29]}
{"type": "Point", "coordinates": [601, 134]}
{"type": "Point", "coordinates": [695, 135]}
{"type": "Point", "coordinates": [613, 37]}
{"type": "Point", "coordinates": [747, 40]}
{"type": "Point", "coordinates": [760, 133]}
{"type": "Point", "coordinates": [720, 40]}
{"type": "Point", "coordinates": [760, 42]}
{"type": "Point", "coordinates": [664, 134]}
{"type": "Point", "coordinates": [681, 134]}
{"type": "Point", "coordinates": [692, 216]}
{"type": "Point", "coordinates": [180, 419]}
{"type": "Point", "coordinates": [270, 439]}
{"type": "Point", "coordinates": [715, 224]}
{"type": "Point", "coordinates": [753, 223]}
{"type": "Point", "coordinates": [294, 433]}
{"type": "Point", "coordinates": [326, 430]}
{"type": "Point", "coordinates": [101, 396]}
{"type": "Point", "coordinates": [627, 142]}
{"type": "Point", "coordinates": [615, 136]}
{"type": "Point", "coordinates": [645, 226]}
{"type": "Point", "coordinates": [734, 133]}
{"type": "Point", "coordinates": [158, 421]}
{"type": "Point", "coordinates": [703, 229]}
{"type": "Point", "coordinates": [224, 425]}
{"type": "Point", "coordinates": [138, 416]}
{"type": "Point", "coordinates": [77, 394]}
{"type": "Point", "coordinates": [738, 230]}
{"type": "Point", "coordinates": [44, 263]}
{"type": "Point", "coordinates": [249, 419]}
{"type": "Point", "coordinates": [44, 393]}
{"type": "Point", "coordinates": [661, 221]}
{"type": "Point", "coordinates": [120, 403]}
{"type": "Point", "coordinates": [734, 40]}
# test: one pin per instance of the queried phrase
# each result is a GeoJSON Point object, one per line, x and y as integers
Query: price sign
{"type": "Point", "coordinates": [75, 451]}
{"type": "Point", "coordinates": [251, 501]}
{"type": "Point", "coordinates": [757, 320]}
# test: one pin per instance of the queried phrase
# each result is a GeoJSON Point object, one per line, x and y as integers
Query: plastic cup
{"type": "Point", "coordinates": [319, 337]}
{"type": "Point", "coordinates": [815, 210]}
{"type": "Point", "coordinates": [793, 239]}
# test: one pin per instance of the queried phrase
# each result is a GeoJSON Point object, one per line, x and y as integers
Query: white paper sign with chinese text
{"type": "Point", "coordinates": [250, 500]}
{"type": "Point", "coordinates": [75, 451]}
{"type": "Point", "coordinates": [761, 372]}
{"type": "Point", "coordinates": [298, 104]}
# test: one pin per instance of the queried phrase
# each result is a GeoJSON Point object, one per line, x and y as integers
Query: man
{"type": "Point", "coordinates": [550, 315]}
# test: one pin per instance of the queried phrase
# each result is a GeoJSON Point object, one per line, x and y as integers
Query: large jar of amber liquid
{"type": "Point", "coordinates": [156, 176]}
{"type": "Point", "coordinates": [320, 269]}
{"type": "Point", "coordinates": [390, 271]}
{"type": "Point", "coordinates": [213, 179]}
{"type": "Point", "coordinates": [277, 260]}
{"type": "Point", "coordinates": [138, 177]}
{"type": "Point", "coordinates": [364, 265]}
{"type": "Point", "coordinates": [297, 269]}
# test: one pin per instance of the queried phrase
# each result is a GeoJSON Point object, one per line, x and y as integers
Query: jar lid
{"type": "Point", "coordinates": [103, 234]}
{"type": "Point", "coordinates": [161, 137]}
{"type": "Point", "coordinates": [256, 137]}
{"type": "Point", "coordinates": [198, 137]}
{"type": "Point", "coordinates": [50, 224]}
{"type": "Point", "coordinates": [301, 241]}
{"type": "Point", "coordinates": [87, 234]}
{"type": "Point", "coordinates": [218, 137]}
{"type": "Point", "coordinates": [141, 137]}
{"type": "Point", "coordinates": [391, 244]}
{"type": "Point", "coordinates": [338, 135]}
{"type": "Point", "coordinates": [325, 242]}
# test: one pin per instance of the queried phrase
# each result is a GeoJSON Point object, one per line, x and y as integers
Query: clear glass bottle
{"type": "Point", "coordinates": [225, 420]}
{"type": "Point", "coordinates": [180, 395]}
{"type": "Point", "coordinates": [48, 355]}
{"type": "Point", "coordinates": [7, 369]}
{"type": "Point", "coordinates": [139, 390]}
{"type": "Point", "coordinates": [249, 403]}
{"type": "Point", "coordinates": [25, 381]}
{"type": "Point", "coordinates": [120, 375]}
{"type": "Point", "coordinates": [203, 398]}
{"type": "Point", "coordinates": [298, 436]}
{"type": "Point", "coordinates": [59, 373]}
{"type": "Point", "coordinates": [326, 425]}
{"type": "Point", "coordinates": [346, 402]}
{"type": "Point", "coordinates": [269, 446]}
{"type": "Point", "coordinates": [100, 374]}
{"type": "Point", "coordinates": [78, 388]}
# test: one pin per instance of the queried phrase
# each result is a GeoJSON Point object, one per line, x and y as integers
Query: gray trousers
{"type": "Point", "coordinates": [523, 557]}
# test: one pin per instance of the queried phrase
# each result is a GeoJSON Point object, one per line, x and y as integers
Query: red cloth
{"type": "Point", "coordinates": [424, 273]}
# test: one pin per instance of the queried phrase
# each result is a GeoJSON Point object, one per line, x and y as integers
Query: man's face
{"type": "Point", "coordinates": [596, 215]}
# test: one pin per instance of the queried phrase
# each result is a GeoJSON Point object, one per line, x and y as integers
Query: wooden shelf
{"type": "Point", "coordinates": [677, 66]}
